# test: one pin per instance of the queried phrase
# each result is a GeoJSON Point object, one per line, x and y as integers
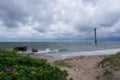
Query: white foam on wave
{"type": "Point", "coordinates": [46, 51]}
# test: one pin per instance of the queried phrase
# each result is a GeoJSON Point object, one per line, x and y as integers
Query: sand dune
{"type": "Point", "coordinates": [84, 68]}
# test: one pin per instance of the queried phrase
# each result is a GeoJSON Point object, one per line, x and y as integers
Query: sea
{"type": "Point", "coordinates": [62, 47]}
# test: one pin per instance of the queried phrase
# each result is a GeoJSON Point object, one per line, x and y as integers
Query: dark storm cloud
{"type": "Point", "coordinates": [12, 14]}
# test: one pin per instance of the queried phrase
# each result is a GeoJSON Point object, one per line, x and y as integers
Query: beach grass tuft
{"type": "Point", "coordinates": [63, 63]}
{"type": "Point", "coordinates": [111, 65]}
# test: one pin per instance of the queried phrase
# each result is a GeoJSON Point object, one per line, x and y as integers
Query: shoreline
{"type": "Point", "coordinates": [51, 57]}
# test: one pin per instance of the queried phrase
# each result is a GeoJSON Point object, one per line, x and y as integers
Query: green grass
{"type": "Point", "coordinates": [111, 65]}
{"type": "Point", "coordinates": [14, 66]}
{"type": "Point", "coordinates": [63, 63]}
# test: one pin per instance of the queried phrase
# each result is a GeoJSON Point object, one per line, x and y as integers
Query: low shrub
{"type": "Point", "coordinates": [14, 66]}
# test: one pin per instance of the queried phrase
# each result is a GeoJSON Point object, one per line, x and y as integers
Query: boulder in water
{"type": "Point", "coordinates": [34, 50]}
{"type": "Point", "coordinates": [20, 48]}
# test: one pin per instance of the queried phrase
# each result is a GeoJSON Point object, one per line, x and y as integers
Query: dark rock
{"type": "Point", "coordinates": [34, 50]}
{"type": "Point", "coordinates": [20, 48]}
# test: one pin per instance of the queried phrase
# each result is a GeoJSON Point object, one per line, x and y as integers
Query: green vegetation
{"type": "Point", "coordinates": [14, 66]}
{"type": "Point", "coordinates": [111, 65]}
{"type": "Point", "coordinates": [62, 63]}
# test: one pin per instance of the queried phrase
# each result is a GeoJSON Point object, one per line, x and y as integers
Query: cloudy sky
{"type": "Point", "coordinates": [36, 20]}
